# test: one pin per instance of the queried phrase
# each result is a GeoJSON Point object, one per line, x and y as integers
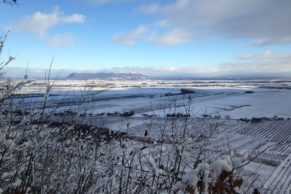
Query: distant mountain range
{"type": "Point", "coordinates": [106, 76]}
{"type": "Point", "coordinates": [71, 74]}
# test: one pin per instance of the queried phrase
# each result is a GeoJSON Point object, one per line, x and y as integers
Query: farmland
{"type": "Point", "coordinates": [248, 120]}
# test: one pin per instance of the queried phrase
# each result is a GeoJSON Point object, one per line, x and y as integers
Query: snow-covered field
{"type": "Point", "coordinates": [229, 113]}
{"type": "Point", "coordinates": [240, 99]}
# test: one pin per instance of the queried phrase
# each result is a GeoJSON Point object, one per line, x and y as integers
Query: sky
{"type": "Point", "coordinates": [150, 36]}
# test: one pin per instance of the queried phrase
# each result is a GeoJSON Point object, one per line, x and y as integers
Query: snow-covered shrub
{"type": "Point", "coordinates": [217, 179]}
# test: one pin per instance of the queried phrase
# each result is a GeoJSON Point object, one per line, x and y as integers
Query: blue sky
{"type": "Point", "coordinates": [161, 36]}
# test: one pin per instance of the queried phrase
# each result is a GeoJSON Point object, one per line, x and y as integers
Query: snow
{"type": "Point", "coordinates": [262, 169]}
{"type": "Point", "coordinates": [154, 166]}
{"type": "Point", "coordinates": [226, 98]}
{"type": "Point", "coordinates": [237, 104]}
{"type": "Point", "coordinates": [242, 139]}
{"type": "Point", "coordinates": [279, 181]}
{"type": "Point", "coordinates": [202, 167]}
{"type": "Point", "coordinates": [220, 165]}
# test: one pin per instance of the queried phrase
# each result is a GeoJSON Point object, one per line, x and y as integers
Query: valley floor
{"type": "Point", "coordinates": [247, 122]}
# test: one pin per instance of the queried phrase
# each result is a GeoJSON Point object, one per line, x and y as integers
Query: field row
{"type": "Point", "coordinates": [275, 130]}
{"type": "Point", "coordinates": [280, 181]}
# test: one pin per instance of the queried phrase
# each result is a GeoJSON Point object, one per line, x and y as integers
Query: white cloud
{"type": "Point", "coordinates": [150, 8]}
{"type": "Point", "coordinates": [173, 37]}
{"type": "Point", "coordinates": [163, 23]}
{"type": "Point", "coordinates": [74, 18]}
{"type": "Point", "coordinates": [271, 41]}
{"type": "Point", "coordinates": [264, 62]}
{"type": "Point", "coordinates": [257, 56]}
{"type": "Point", "coordinates": [99, 2]}
{"type": "Point", "coordinates": [102, 2]}
{"type": "Point", "coordinates": [253, 19]}
{"type": "Point", "coordinates": [130, 38]}
{"type": "Point", "coordinates": [39, 23]}
{"type": "Point", "coordinates": [65, 39]}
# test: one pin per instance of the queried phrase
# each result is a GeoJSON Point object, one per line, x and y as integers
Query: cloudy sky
{"type": "Point", "coordinates": [166, 36]}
